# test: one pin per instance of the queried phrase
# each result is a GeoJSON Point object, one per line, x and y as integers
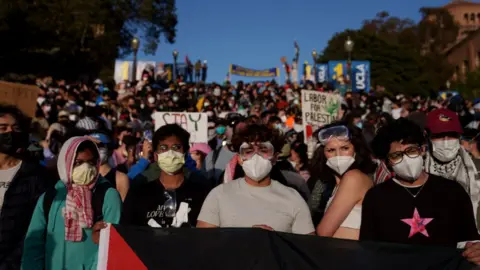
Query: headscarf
{"type": "Point", "coordinates": [78, 212]}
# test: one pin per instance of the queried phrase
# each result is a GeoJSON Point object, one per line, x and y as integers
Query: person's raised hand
{"type": "Point", "coordinates": [147, 149]}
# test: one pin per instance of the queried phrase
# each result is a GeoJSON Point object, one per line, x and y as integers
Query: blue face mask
{"type": "Point", "coordinates": [360, 125]}
{"type": "Point", "coordinates": [220, 130]}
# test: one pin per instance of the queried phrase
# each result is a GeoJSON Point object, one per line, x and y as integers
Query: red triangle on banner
{"type": "Point", "coordinates": [120, 255]}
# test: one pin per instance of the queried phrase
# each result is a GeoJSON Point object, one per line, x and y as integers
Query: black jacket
{"type": "Point", "coordinates": [18, 205]}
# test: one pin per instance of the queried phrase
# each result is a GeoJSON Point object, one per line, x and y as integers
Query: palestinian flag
{"type": "Point", "coordinates": [139, 248]}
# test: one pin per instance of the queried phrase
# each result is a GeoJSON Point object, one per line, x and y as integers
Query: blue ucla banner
{"type": "Point", "coordinates": [361, 76]}
{"type": "Point", "coordinates": [337, 71]}
{"type": "Point", "coordinates": [322, 73]}
{"type": "Point", "coordinates": [248, 72]}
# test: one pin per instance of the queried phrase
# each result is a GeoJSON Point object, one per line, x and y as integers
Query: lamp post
{"type": "Point", "coordinates": [135, 45]}
{"type": "Point", "coordinates": [314, 55]}
{"type": "Point", "coordinates": [349, 48]}
{"type": "Point", "coordinates": [175, 56]}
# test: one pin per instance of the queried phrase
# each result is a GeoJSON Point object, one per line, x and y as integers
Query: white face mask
{"type": "Point", "coordinates": [409, 169]}
{"type": "Point", "coordinates": [293, 163]}
{"type": "Point", "coordinates": [283, 118]}
{"type": "Point", "coordinates": [103, 155]}
{"type": "Point", "coordinates": [340, 164]}
{"type": "Point", "coordinates": [257, 168]}
{"type": "Point", "coordinates": [445, 150]}
{"type": "Point", "coordinates": [151, 100]}
{"type": "Point", "coordinates": [84, 174]}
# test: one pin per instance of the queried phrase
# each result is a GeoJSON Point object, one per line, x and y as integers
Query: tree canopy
{"type": "Point", "coordinates": [68, 38]}
{"type": "Point", "coordinates": [394, 47]}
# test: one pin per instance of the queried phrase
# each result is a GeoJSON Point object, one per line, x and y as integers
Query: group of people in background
{"type": "Point", "coordinates": [391, 168]}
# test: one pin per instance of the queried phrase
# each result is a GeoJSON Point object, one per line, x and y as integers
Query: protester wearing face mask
{"type": "Point", "coordinates": [256, 200]}
{"type": "Point", "coordinates": [446, 157]}
{"type": "Point", "coordinates": [343, 161]}
{"type": "Point", "coordinates": [118, 179]}
{"type": "Point", "coordinates": [166, 194]}
{"type": "Point", "coordinates": [65, 226]}
{"type": "Point", "coordinates": [416, 207]}
{"type": "Point", "coordinates": [21, 183]}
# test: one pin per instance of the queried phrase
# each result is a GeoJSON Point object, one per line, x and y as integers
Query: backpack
{"type": "Point", "coordinates": [98, 197]}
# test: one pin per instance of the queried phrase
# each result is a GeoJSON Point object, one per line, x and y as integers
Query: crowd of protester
{"type": "Point", "coordinates": [390, 168]}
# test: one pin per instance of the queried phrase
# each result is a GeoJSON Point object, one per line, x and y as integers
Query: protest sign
{"type": "Point", "coordinates": [194, 123]}
{"type": "Point", "coordinates": [134, 247]}
{"type": "Point", "coordinates": [21, 95]}
{"type": "Point", "coordinates": [318, 109]}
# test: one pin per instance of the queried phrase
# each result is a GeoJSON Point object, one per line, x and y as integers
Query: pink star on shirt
{"type": "Point", "coordinates": [417, 224]}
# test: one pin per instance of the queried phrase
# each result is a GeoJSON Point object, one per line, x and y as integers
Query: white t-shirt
{"type": "Point", "coordinates": [239, 205]}
{"type": "Point", "coordinates": [6, 177]}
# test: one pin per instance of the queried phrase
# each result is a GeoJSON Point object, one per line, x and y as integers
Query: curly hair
{"type": "Point", "coordinates": [401, 130]}
{"type": "Point", "coordinates": [258, 133]}
{"type": "Point", "coordinates": [319, 169]}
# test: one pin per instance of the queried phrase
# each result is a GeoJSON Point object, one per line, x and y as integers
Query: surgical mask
{"type": "Point", "coordinates": [84, 174]}
{"type": "Point", "coordinates": [283, 118]}
{"type": "Point", "coordinates": [171, 161]}
{"type": "Point", "coordinates": [151, 100]}
{"type": "Point", "coordinates": [298, 128]}
{"type": "Point", "coordinates": [340, 164]}
{"type": "Point", "coordinates": [359, 125]}
{"type": "Point", "coordinates": [7, 143]}
{"type": "Point", "coordinates": [362, 104]}
{"type": "Point", "coordinates": [296, 102]}
{"type": "Point", "coordinates": [409, 169]}
{"type": "Point", "coordinates": [257, 168]}
{"type": "Point", "coordinates": [211, 134]}
{"type": "Point", "coordinates": [279, 126]}
{"type": "Point", "coordinates": [142, 106]}
{"type": "Point", "coordinates": [293, 163]}
{"type": "Point", "coordinates": [220, 130]}
{"type": "Point", "coordinates": [175, 98]}
{"type": "Point", "coordinates": [103, 155]}
{"type": "Point", "coordinates": [206, 104]}
{"type": "Point", "coordinates": [445, 150]}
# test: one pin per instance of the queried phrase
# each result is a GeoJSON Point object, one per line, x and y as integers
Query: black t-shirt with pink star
{"type": "Point", "coordinates": [441, 213]}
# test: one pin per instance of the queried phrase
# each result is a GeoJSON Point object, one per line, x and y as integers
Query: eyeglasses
{"type": "Point", "coordinates": [248, 150]}
{"type": "Point", "coordinates": [339, 132]}
{"type": "Point", "coordinates": [176, 147]}
{"type": "Point", "coordinates": [411, 152]}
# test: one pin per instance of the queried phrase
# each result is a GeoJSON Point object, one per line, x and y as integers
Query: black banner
{"type": "Point", "coordinates": [259, 249]}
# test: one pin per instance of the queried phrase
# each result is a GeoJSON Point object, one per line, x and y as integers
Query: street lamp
{"type": "Point", "coordinates": [175, 56]}
{"type": "Point", "coordinates": [349, 48]}
{"type": "Point", "coordinates": [135, 46]}
{"type": "Point", "coordinates": [314, 55]}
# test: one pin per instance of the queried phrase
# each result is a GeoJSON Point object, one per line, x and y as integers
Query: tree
{"type": "Point", "coordinates": [69, 38]}
{"type": "Point", "coordinates": [437, 30]}
{"type": "Point", "coordinates": [469, 87]}
{"type": "Point", "coordinates": [393, 47]}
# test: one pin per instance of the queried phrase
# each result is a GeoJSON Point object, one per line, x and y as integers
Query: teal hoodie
{"type": "Point", "coordinates": [45, 245]}
{"type": "Point", "coordinates": [52, 252]}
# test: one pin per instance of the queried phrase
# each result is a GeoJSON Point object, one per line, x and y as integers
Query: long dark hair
{"type": "Point", "coordinates": [319, 169]}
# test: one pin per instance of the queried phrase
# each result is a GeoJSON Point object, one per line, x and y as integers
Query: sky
{"type": "Point", "coordinates": [257, 33]}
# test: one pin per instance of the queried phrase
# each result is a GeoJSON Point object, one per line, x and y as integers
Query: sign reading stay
{"type": "Point", "coordinates": [195, 123]}
{"type": "Point", "coordinates": [21, 95]}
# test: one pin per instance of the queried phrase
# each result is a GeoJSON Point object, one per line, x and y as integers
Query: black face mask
{"type": "Point", "coordinates": [8, 143]}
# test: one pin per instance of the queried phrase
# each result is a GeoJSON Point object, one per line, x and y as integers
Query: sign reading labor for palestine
{"type": "Point", "coordinates": [194, 123]}
{"type": "Point", "coordinates": [318, 109]}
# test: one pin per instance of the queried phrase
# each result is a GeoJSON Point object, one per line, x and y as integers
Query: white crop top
{"type": "Point", "coordinates": [354, 219]}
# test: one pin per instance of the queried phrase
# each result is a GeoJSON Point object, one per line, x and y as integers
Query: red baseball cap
{"type": "Point", "coordinates": [443, 121]}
